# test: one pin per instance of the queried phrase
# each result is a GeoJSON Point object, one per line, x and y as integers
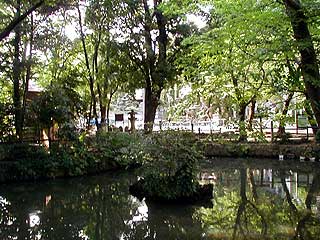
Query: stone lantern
{"type": "Point", "coordinates": [132, 120]}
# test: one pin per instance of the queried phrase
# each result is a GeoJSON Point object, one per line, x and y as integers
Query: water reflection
{"type": "Point", "coordinates": [274, 202]}
{"type": "Point", "coordinates": [265, 201]}
{"type": "Point", "coordinates": [89, 208]}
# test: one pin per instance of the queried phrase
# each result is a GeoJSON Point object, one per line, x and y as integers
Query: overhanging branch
{"type": "Point", "coordinates": [5, 32]}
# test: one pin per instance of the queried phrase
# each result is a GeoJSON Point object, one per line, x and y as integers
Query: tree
{"type": "Point", "coordinates": [309, 63]}
{"type": "Point", "coordinates": [107, 66]}
{"type": "Point", "coordinates": [18, 19]}
{"type": "Point", "coordinates": [235, 54]}
{"type": "Point", "coordinates": [152, 39]}
{"type": "Point", "coordinates": [48, 5]}
{"type": "Point", "coordinates": [55, 105]}
{"type": "Point", "coordinates": [21, 45]}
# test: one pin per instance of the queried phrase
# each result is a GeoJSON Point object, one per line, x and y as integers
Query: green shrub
{"type": "Point", "coordinates": [258, 136]}
{"type": "Point", "coordinates": [173, 158]}
{"type": "Point", "coordinates": [30, 160]}
{"type": "Point", "coordinates": [72, 161]}
{"type": "Point", "coordinates": [122, 148]}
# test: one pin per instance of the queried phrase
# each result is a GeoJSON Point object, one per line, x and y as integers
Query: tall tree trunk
{"type": "Point", "coordinates": [281, 129]}
{"type": "Point", "coordinates": [95, 70]}
{"type": "Point", "coordinates": [112, 92]}
{"type": "Point", "coordinates": [28, 73]}
{"type": "Point", "coordinates": [17, 75]}
{"type": "Point", "coordinates": [90, 115]}
{"type": "Point", "coordinates": [108, 113]}
{"type": "Point", "coordinates": [310, 116]}
{"type": "Point", "coordinates": [309, 65]}
{"type": "Point", "coordinates": [103, 108]}
{"type": "Point", "coordinates": [151, 103]}
{"type": "Point", "coordinates": [157, 66]}
{"type": "Point", "coordinates": [252, 113]}
{"type": "Point", "coordinates": [242, 124]}
{"type": "Point", "coordinates": [91, 80]}
{"type": "Point", "coordinates": [287, 192]}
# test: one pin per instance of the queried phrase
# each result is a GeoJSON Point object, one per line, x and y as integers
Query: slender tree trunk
{"type": "Point", "coordinates": [103, 111]}
{"type": "Point", "coordinates": [95, 70]}
{"type": "Point", "coordinates": [287, 192]}
{"type": "Point", "coordinates": [309, 64]}
{"type": "Point", "coordinates": [17, 75]}
{"type": "Point", "coordinates": [310, 116]}
{"type": "Point", "coordinates": [28, 73]}
{"type": "Point", "coordinates": [252, 113]}
{"type": "Point", "coordinates": [91, 80]}
{"type": "Point", "coordinates": [281, 129]}
{"type": "Point", "coordinates": [253, 186]}
{"type": "Point", "coordinates": [112, 92]}
{"type": "Point", "coordinates": [102, 108]}
{"type": "Point", "coordinates": [242, 124]}
{"type": "Point", "coordinates": [90, 115]}
{"type": "Point", "coordinates": [108, 113]}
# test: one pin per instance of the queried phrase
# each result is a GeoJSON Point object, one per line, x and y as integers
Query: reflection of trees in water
{"type": "Point", "coordinates": [14, 217]}
{"type": "Point", "coordinates": [101, 208]}
{"type": "Point", "coordinates": [173, 222]}
{"type": "Point", "coordinates": [96, 208]}
{"type": "Point", "coordinates": [308, 224]}
{"type": "Point", "coordinates": [248, 215]}
{"type": "Point", "coordinates": [166, 222]}
{"type": "Point", "coordinates": [248, 211]}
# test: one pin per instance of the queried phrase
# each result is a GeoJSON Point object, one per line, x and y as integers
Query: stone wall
{"type": "Point", "coordinates": [261, 150]}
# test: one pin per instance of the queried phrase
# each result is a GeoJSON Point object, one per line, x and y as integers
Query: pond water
{"type": "Point", "coordinates": [268, 200]}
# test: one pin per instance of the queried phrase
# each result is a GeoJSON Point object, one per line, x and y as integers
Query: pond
{"type": "Point", "coordinates": [268, 200]}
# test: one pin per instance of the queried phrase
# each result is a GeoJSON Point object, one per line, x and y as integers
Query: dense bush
{"type": "Point", "coordinates": [30, 160]}
{"type": "Point", "coordinates": [122, 148]}
{"type": "Point", "coordinates": [6, 122]}
{"type": "Point", "coordinates": [173, 158]}
{"type": "Point", "coordinates": [170, 159]}
{"type": "Point", "coordinates": [103, 152]}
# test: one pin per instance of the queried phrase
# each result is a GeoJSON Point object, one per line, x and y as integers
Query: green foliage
{"type": "Point", "coordinates": [6, 122]}
{"type": "Point", "coordinates": [124, 149]}
{"type": "Point", "coordinates": [30, 160]}
{"type": "Point", "coordinates": [173, 159]}
{"type": "Point", "coordinates": [258, 136]}
{"type": "Point", "coordinates": [53, 105]}
{"type": "Point", "coordinates": [106, 151]}
{"type": "Point", "coordinates": [71, 161]}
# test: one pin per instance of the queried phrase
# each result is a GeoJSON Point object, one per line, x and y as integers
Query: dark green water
{"type": "Point", "coordinates": [269, 200]}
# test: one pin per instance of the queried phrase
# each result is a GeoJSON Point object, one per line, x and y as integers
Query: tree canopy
{"type": "Point", "coordinates": [248, 54]}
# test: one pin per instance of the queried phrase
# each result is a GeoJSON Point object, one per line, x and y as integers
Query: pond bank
{"type": "Point", "coordinates": [90, 163]}
{"type": "Point", "coordinates": [263, 150]}
{"type": "Point", "coordinates": [11, 172]}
